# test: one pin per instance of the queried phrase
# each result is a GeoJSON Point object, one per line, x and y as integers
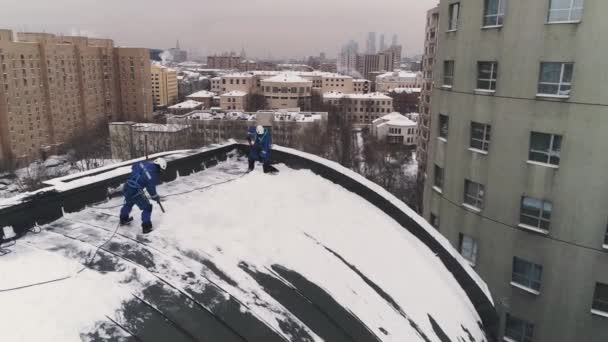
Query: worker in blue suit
{"type": "Point", "coordinates": [260, 141]}
{"type": "Point", "coordinates": [144, 175]}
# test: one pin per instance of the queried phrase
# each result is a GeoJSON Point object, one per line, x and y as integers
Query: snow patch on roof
{"type": "Point", "coordinates": [189, 104]}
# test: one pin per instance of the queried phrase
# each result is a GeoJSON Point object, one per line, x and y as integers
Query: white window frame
{"type": "Point", "coordinates": [467, 247]}
{"type": "Point", "coordinates": [435, 185]}
{"type": "Point", "coordinates": [525, 337]}
{"type": "Point", "coordinates": [447, 76]}
{"type": "Point", "coordinates": [485, 140]}
{"type": "Point", "coordinates": [493, 70]}
{"type": "Point", "coordinates": [453, 22]}
{"type": "Point", "coordinates": [602, 311]}
{"type": "Point", "coordinates": [499, 16]}
{"type": "Point", "coordinates": [550, 152]}
{"type": "Point", "coordinates": [530, 285]}
{"type": "Point", "coordinates": [571, 9]}
{"type": "Point", "coordinates": [560, 93]}
{"type": "Point", "coordinates": [439, 127]}
{"type": "Point", "coordinates": [606, 239]}
{"type": "Point", "coordinates": [539, 219]}
{"type": "Point", "coordinates": [475, 201]}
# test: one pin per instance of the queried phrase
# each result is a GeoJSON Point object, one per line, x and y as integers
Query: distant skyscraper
{"type": "Point", "coordinates": [371, 43]}
{"type": "Point", "coordinates": [382, 44]}
{"type": "Point", "coordinates": [395, 40]}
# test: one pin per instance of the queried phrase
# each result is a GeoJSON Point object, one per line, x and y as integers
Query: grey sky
{"type": "Point", "coordinates": [282, 28]}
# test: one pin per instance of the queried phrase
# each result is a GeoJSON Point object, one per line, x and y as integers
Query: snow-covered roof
{"type": "Point", "coordinates": [339, 95]}
{"type": "Point", "coordinates": [189, 104]}
{"type": "Point", "coordinates": [153, 127]}
{"type": "Point", "coordinates": [202, 93]}
{"type": "Point", "coordinates": [406, 90]}
{"type": "Point", "coordinates": [287, 77]}
{"type": "Point", "coordinates": [360, 80]}
{"type": "Point", "coordinates": [208, 272]}
{"type": "Point", "coordinates": [402, 74]}
{"type": "Point", "coordinates": [234, 93]}
{"type": "Point", "coordinates": [394, 119]}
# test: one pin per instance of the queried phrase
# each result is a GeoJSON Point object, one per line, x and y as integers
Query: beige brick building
{"type": "Point", "coordinates": [164, 86]}
{"type": "Point", "coordinates": [362, 109]}
{"type": "Point", "coordinates": [52, 86]}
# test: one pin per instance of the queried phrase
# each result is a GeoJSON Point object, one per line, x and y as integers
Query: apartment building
{"type": "Point", "coordinates": [517, 159]}
{"type": "Point", "coordinates": [428, 63]}
{"type": "Point", "coordinates": [225, 61]}
{"type": "Point", "coordinates": [361, 109]}
{"type": "Point", "coordinates": [233, 100]}
{"type": "Point", "coordinates": [53, 86]}
{"type": "Point", "coordinates": [164, 86]}
{"type": "Point", "coordinates": [398, 79]}
{"type": "Point", "coordinates": [361, 86]}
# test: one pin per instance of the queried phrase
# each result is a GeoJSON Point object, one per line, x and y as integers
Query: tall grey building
{"type": "Point", "coordinates": [517, 159]}
{"type": "Point", "coordinates": [382, 43]}
{"type": "Point", "coordinates": [371, 43]}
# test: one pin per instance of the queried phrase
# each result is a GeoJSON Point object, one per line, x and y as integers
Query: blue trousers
{"type": "Point", "coordinates": [135, 197]}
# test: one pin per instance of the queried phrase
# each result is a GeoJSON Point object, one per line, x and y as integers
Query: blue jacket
{"type": "Point", "coordinates": [144, 175]}
{"type": "Point", "coordinates": [261, 145]}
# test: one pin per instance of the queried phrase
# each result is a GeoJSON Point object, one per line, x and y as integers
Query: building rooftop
{"type": "Point", "coordinates": [340, 95]}
{"type": "Point", "coordinates": [153, 127]}
{"type": "Point", "coordinates": [398, 74]}
{"type": "Point", "coordinates": [288, 77]}
{"type": "Point", "coordinates": [186, 105]}
{"type": "Point", "coordinates": [234, 93]}
{"type": "Point", "coordinates": [202, 93]}
{"type": "Point", "coordinates": [285, 264]}
{"type": "Point", "coordinates": [406, 90]}
{"type": "Point", "coordinates": [394, 119]}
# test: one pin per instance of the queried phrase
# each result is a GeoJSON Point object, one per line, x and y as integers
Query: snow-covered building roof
{"type": "Point", "coordinates": [340, 95]}
{"type": "Point", "coordinates": [165, 128]}
{"type": "Point", "coordinates": [188, 104]}
{"type": "Point", "coordinates": [234, 93]}
{"type": "Point", "coordinates": [202, 93]}
{"type": "Point", "coordinates": [304, 260]}
{"type": "Point", "coordinates": [286, 77]}
{"type": "Point", "coordinates": [406, 90]}
{"type": "Point", "coordinates": [394, 119]}
{"type": "Point", "coordinates": [401, 74]}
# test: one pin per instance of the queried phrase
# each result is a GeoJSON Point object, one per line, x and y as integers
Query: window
{"type": "Point", "coordinates": [545, 148]}
{"type": "Point", "coordinates": [438, 177]}
{"type": "Point", "coordinates": [535, 213]}
{"type": "Point", "coordinates": [600, 298]}
{"type": "Point", "coordinates": [494, 12]}
{"type": "Point", "coordinates": [606, 237]}
{"type": "Point", "coordinates": [468, 248]}
{"type": "Point", "coordinates": [448, 73]}
{"type": "Point", "coordinates": [480, 136]}
{"type": "Point", "coordinates": [555, 78]}
{"type": "Point", "coordinates": [473, 194]}
{"type": "Point", "coordinates": [526, 274]}
{"type": "Point", "coordinates": [486, 75]}
{"type": "Point", "coordinates": [435, 221]}
{"type": "Point", "coordinates": [565, 10]}
{"type": "Point", "coordinates": [454, 14]}
{"type": "Point", "coordinates": [518, 330]}
{"type": "Point", "coordinates": [444, 122]}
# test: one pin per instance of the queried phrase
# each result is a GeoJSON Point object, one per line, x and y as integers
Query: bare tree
{"type": "Point", "coordinates": [256, 102]}
{"type": "Point", "coordinates": [89, 148]}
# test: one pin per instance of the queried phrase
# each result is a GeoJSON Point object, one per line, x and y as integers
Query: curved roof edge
{"type": "Point", "coordinates": [50, 204]}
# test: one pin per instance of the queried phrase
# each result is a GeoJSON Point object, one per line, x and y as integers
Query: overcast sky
{"type": "Point", "coordinates": [278, 28]}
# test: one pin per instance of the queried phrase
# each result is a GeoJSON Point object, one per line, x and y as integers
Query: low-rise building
{"type": "Point", "coordinates": [398, 79]}
{"type": "Point", "coordinates": [395, 128]}
{"type": "Point", "coordinates": [234, 100]}
{"type": "Point", "coordinates": [130, 140]}
{"type": "Point", "coordinates": [205, 97]}
{"type": "Point", "coordinates": [405, 100]}
{"type": "Point", "coordinates": [360, 108]}
{"type": "Point", "coordinates": [361, 86]}
{"type": "Point", "coordinates": [185, 107]}
{"type": "Point", "coordinates": [287, 90]}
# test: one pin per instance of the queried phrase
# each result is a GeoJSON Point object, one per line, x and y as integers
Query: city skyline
{"type": "Point", "coordinates": [211, 28]}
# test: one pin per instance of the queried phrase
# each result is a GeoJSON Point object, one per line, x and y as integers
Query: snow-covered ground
{"type": "Point", "coordinates": [300, 257]}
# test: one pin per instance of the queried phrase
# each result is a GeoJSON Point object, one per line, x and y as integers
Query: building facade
{"type": "Point", "coordinates": [54, 86]}
{"type": "Point", "coordinates": [361, 109]}
{"type": "Point", "coordinates": [287, 90]}
{"type": "Point", "coordinates": [428, 63]}
{"type": "Point", "coordinates": [164, 86]}
{"type": "Point", "coordinates": [233, 100]}
{"type": "Point", "coordinates": [517, 159]}
{"type": "Point", "coordinates": [398, 79]}
{"type": "Point", "coordinates": [225, 61]}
